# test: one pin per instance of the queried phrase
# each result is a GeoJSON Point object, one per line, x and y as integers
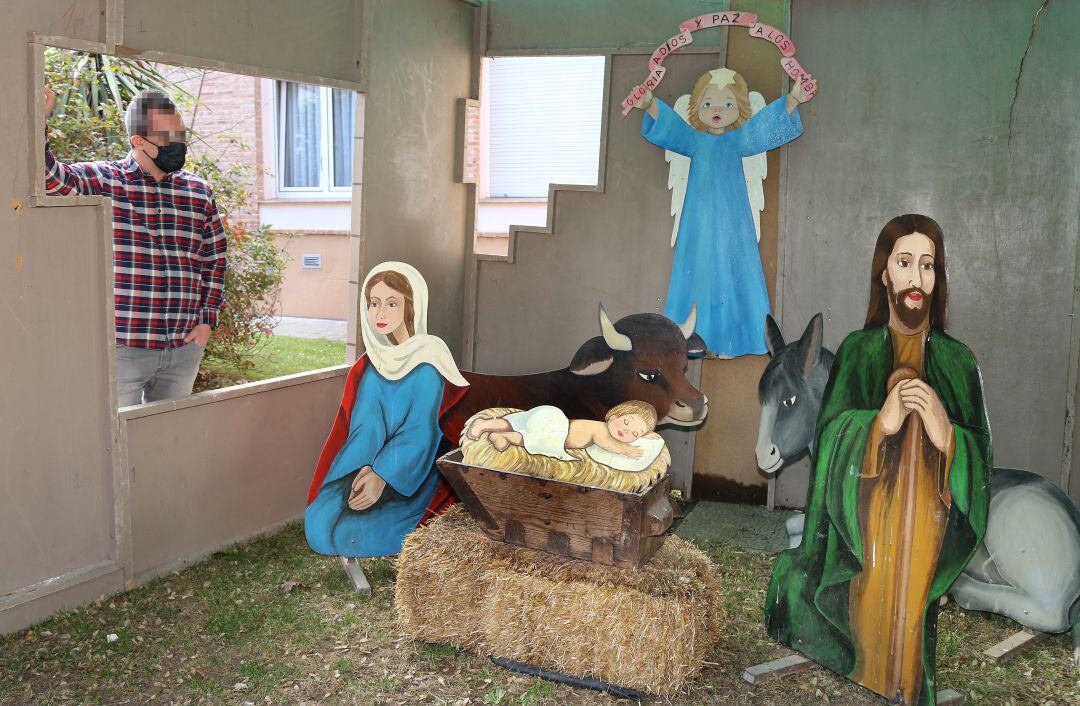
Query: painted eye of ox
{"type": "Point", "coordinates": [790, 402]}
{"type": "Point", "coordinates": [649, 377]}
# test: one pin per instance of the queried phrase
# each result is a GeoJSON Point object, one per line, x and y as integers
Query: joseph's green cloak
{"type": "Point", "coordinates": [807, 604]}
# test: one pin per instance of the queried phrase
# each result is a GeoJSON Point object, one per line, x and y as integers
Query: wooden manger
{"type": "Point", "coordinates": [604, 526]}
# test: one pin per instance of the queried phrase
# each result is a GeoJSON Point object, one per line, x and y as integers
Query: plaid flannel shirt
{"type": "Point", "coordinates": [168, 247]}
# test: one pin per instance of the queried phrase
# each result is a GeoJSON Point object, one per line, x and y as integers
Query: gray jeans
{"type": "Point", "coordinates": [145, 375]}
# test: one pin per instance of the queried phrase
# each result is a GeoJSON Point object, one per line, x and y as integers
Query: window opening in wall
{"type": "Point", "coordinates": [282, 315]}
{"type": "Point", "coordinates": [541, 123]}
{"type": "Point", "coordinates": [315, 137]}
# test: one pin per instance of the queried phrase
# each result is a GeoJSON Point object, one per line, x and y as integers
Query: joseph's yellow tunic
{"type": "Point", "coordinates": [904, 501]}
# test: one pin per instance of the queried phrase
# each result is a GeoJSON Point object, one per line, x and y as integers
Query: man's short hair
{"type": "Point", "coordinates": [137, 115]}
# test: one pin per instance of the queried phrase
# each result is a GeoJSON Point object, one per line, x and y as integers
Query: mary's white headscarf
{"type": "Point", "coordinates": [396, 361]}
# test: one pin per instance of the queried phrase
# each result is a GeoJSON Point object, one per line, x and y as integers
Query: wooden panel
{"type": "Point", "coordinates": [208, 475]}
{"type": "Point", "coordinates": [725, 466]}
{"type": "Point", "coordinates": [323, 35]}
{"type": "Point", "coordinates": [603, 526]}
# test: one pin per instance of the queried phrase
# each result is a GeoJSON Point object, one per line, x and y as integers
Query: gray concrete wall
{"type": "Point", "coordinates": [959, 110]}
{"type": "Point", "coordinates": [419, 63]}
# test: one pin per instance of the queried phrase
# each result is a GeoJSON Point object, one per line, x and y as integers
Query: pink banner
{"type": "Point", "coordinates": [633, 99]}
{"type": "Point", "coordinates": [731, 18]}
{"type": "Point", "coordinates": [772, 34]}
{"type": "Point", "coordinates": [719, 19]}
{"type": "Point", "coordinates": [795, 70]}
{"type": "Point", "coordinates": [662, 52]}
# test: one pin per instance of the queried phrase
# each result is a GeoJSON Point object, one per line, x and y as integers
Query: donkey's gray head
{"type": "Point", "coordinates": [790, 392]}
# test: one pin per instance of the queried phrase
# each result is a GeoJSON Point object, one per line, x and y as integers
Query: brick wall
{"type": "Point", "coordinates": [227, 120]}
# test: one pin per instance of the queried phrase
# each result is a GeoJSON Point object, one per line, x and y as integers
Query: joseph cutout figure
{"type": "Point", "coordinates": [900, 487]}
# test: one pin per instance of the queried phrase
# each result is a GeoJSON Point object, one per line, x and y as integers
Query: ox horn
{"type": "Point", "coordinates": [616, 341]}
{"type": "Point", "coordinates": [687, 327]}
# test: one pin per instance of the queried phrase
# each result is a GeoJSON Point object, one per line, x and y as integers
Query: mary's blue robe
{"type": "Point", "coordinates": [717, 265]}
{"type": "Point", "coordinates": [394, 428]}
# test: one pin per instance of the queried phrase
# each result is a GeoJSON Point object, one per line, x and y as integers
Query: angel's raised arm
{"type": "Point", "coordinates": [668, 130]}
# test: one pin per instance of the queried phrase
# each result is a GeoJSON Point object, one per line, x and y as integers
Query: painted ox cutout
{"type": "Point", "coordinates": [1028, 566]}
{"type": "Point", "coordinates": [639, 357]}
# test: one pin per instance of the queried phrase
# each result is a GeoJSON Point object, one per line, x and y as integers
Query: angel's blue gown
{"type": "Point", "coordinates": [394, 428]}
{"type": "Point", "coordinates": [717, 264]}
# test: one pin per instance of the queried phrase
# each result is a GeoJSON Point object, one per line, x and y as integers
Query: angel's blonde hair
{"type": "Point", "coordinates": [643, 409]}
{"type": "Point", "coordinates": [742, 99]}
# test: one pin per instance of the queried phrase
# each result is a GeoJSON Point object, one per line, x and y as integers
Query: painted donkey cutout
{"type": "Point", "coordinates": [1028, 566]}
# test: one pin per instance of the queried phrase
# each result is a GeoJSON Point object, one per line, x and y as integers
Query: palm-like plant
{"type": "Point", "coordinates": [92, 91]}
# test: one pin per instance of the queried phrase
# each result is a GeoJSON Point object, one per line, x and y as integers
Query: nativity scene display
{"type": "Point", "coordinates": [569, 523]}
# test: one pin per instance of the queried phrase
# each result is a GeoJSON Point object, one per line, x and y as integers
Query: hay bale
{"type": "Point", "coordinates": [647, 629]}
{"type": "Point", "coordinates": [585, 471]}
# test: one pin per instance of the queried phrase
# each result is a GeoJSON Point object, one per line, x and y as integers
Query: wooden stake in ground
{"type": "Point", "coordinates": [1010, 647]}
{"type": "Point", "coordinates": [356, 575]}
{"type": "Point", "coordinates": [795, 663]}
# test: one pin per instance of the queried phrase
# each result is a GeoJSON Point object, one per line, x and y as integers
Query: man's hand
{"type": "Point", "coordinates": [367, 487]}
{"type": "Point", "coordinates": [893, 413]}
{"type": "Point", "coordinates": [50, 101]}
{"type": "Point", "coordinates": [200, 335]}
{"type": "Point", "coordinates": [918, 397]}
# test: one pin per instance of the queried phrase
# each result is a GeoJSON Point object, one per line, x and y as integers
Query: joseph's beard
{"type": "Point", "coordinates": [912, 318]}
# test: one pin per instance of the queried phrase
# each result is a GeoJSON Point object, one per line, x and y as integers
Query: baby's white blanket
{"type": "Point", "coordinates": [543, 431]}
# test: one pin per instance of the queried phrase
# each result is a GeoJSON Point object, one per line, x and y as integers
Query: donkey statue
{"type": "Point", "coordinates": [1028, 566]}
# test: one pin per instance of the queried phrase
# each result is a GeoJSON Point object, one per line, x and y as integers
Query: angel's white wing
{"type": "Point", "coordinates": [755, 169]}
{"type": "Point", "coordinates": [678, 171]}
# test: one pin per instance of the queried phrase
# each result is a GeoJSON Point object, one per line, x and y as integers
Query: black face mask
{"type": "Point", "coordinates": [170, 158]}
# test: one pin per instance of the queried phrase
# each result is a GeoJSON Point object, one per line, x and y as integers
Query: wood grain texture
{"type": "Point", "coordinates": [603, 526]}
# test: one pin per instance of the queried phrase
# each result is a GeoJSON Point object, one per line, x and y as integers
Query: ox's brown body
{"type": "Point", "coordinates": [640, 357]}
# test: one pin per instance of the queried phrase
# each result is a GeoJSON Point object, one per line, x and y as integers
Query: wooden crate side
{"type": "Point", "coordinates": [598, 525]}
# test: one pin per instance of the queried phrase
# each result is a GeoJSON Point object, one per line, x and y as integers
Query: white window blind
{"type": "Point", "coordinates": [543, 123]}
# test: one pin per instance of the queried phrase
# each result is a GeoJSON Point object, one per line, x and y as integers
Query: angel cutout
{"type": "Point", "coordinates": [716, 139]}
{"type": "Point", "coordinates": [755, 169]}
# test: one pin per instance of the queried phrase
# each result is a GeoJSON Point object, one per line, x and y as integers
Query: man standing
{"type": "Point", "coordinates": [168, 250]}
{"type": "Point", "coordinates": [900, 490]}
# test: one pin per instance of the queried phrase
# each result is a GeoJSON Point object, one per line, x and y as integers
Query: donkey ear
{"type": "Point", "coordinates": [774, 337]}
{"type": "Point", "coordinates": [592, 358]}
{"type": "Point", "coordinates": [810, 344]}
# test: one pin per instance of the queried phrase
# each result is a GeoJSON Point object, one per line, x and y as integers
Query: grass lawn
{"type": "Point", "coordinates": [282, 355]}
{"type": "Point", "coordinates": [272, 622]}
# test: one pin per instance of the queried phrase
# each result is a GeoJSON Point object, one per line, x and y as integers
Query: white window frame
{"type": "Point", "coordinates": [326, 177]}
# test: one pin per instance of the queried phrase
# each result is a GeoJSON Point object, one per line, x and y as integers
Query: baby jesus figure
{"type": "Point", "coordinates": [546, 430]}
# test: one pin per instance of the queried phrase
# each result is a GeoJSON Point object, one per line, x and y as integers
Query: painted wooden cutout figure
{"type": "Point", "coordinates": [376, 479]}
{"type": "Point", "coordinates": [1028, 566]}
{"type": "Point", "coordinates": [716, 187]}
{"type": "Point", "coordinates": [900, 490]}
{"type": "Point", "coordinates": [639, 357]}
{"type": "Point", "coordinates": [619, 441]}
